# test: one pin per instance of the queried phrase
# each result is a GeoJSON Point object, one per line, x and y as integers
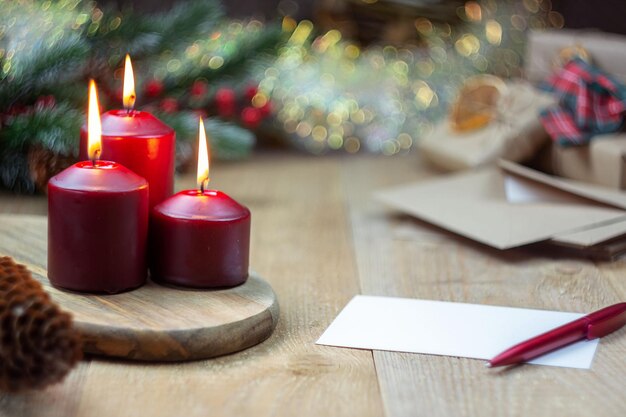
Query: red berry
{"type": "Point", "coordinates": [169, 105]}
{"type": "Point", "coordinates": [16, 109]}
{"type": "Point", "coordinates": [154, 88]}
{"type": "Point", "coordinates": [199, 88]}
{"type": "Point", "coordinates": [251, 92]}
{"type": "Point", "coordinates": [225, 96]}
{"type": "Point", "coordinates": [225, 101]}
{"type": "Point", "coordinates": [251, 117]}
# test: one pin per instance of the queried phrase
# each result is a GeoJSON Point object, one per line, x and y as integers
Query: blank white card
{"type": "Point", "coordinates": [451, 329]}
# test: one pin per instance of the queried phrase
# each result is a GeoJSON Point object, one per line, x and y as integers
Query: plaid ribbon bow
{"type": "Point", "coordinates": [590, 102]}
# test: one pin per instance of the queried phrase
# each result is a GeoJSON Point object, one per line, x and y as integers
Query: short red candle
{"type": "Point", "coordinates": [143, 144]}
{"type": "Point", "coordinates": [200, 239]}
{"type": "Point", "coordinates": [97, 228]}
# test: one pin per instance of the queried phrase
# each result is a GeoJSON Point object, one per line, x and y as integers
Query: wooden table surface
{"type": "Point", "coordinates": [319, 239]}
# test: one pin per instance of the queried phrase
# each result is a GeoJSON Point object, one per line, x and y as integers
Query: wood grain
{"type": "Point", "coordinates": [152, 323]}
{"type": "Point", "coordinates": [400, 256]}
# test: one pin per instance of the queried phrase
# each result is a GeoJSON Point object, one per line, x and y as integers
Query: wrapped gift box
{"type": "Point", "coordinates": [516, 134]}
{"type": "Point", "coordinates": [602, 162]}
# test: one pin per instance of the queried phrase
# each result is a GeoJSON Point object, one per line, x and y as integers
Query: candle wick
{"type": "Point", "coordinates": [131, 106]}
{"type": "Point", "coordinates": [95, 157]}
{"type": "Point", "coordinates": [202, 185]}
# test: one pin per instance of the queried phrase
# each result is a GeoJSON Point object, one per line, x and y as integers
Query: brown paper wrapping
{"type": "Point", "coordinates": [602, 162]}
{"type": "Point", "coordinates": [516, 134]}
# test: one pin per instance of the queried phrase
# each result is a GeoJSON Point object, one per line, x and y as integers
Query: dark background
{"type": "Point", "coordinates": [266, 9]}
{"type": "Point", "coordinates": [606, 15]}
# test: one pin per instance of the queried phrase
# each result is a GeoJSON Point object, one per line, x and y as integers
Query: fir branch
{"type": "Point", "coordinates": [228, 141]}
{"type": "Point", "coordinates": [249, 50]}
{"type": "Point", "coordinates": [33, 72]}
{"type": "Point", "coordinates": [186, 22]}
{"type": "Point", "coordinates": [119, 34]}
{"type": "Point", "coordinates": [144, 35]}
{"type": "Point", "coordinates": [185, 123]}
{"type": "Point", "coordinates": [56, 129]}
{"type": "Point", "coordinates": [14, 172]}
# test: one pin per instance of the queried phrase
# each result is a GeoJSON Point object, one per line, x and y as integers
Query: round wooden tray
{"type": "Point", "coordinates": [152, 323]}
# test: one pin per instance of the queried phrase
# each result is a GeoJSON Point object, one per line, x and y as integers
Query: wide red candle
{"type": "Point", "coordinates": [200, 239]}
{"type": "Point", "coordinates": [143, 144]}
{"type": "Point", "coordinates": [97, 228]}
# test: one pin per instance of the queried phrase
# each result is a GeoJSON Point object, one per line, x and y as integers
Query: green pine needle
{"type": "Point", "coordinates": [54, 128]}
{"type": "Point", "coordinates": [228, 141]}
{"type": "Point", "coordinates": [14, 172]}
{"type": "Point", "coordinates": [186, 22]}
{"type": "Point", "coordinates": [32, 72]}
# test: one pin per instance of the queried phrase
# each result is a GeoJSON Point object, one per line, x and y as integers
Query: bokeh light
{"type": "Point", "coordinates": [330, 94]}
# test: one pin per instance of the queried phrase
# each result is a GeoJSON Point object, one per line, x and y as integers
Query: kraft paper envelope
{"type": "Point", "coordinates": [593, 236]}
{"type": "Point", "coordinates": [451, 329]}
{"type": "Point", "coordinates": [597, 193]}
{"type": "Point", "coordinates": [522, 190]}
{"type": "Point", "coordinates": [529, 185]}
{"type": "Point", "coordinates": [474, 204]}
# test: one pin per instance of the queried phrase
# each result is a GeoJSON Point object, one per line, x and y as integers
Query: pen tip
{"type": "Point", "coordinates": [487, 364]}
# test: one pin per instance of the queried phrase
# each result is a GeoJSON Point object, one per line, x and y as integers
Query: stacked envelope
{"type": "Point", "coordinates": [511, 205]}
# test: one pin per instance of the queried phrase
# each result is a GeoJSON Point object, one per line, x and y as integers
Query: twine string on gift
{"type": "Point", "coordinates": [511, 105]}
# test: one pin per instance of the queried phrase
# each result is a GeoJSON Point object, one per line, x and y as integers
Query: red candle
{"type": "Point", "coordinates": [200, 238]}
{"type": "Point", "coordinates": [97, 222]}
{"type": "Point", "coordinates": [139, 141]}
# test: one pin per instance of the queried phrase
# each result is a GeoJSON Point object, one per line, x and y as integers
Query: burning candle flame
{"type": "Point", "coordinates": [94, 127]}
{"type": "Point", "coordinates": [203, 157]}
{"type": "Point", "coordinates": [129, 85]}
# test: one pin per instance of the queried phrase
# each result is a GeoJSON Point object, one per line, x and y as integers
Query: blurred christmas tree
{"type": "Point", "coordinates": [189, 61]}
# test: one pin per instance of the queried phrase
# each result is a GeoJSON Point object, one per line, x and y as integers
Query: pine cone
{"type": "Point", "coordinates": [38, 345]}
{"type": "Point", "coordinates": [44, 164]}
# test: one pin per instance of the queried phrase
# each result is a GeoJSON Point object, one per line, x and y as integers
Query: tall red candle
{"type": "Point", "coordinates": [97, 223]}
{"type": "Point", "coordinates": [139, 141]}
{"type": "Point", "coordinates": [142, 143]}
{"type": "Point", "coordinates": [200, 238]}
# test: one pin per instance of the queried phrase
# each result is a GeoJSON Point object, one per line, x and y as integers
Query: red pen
{"type": "Point", "coordinates": [592, 326]}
